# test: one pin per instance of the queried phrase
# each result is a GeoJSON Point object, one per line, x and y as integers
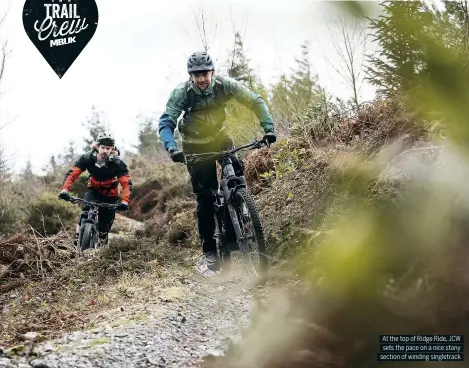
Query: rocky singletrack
{"type": "Point", "coordinates": [184, 325]}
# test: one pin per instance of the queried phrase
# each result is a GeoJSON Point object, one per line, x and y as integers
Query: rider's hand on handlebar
{"type": "Point", "coordinates": [122, 206]}
{"type": "Point", "coordinates": [177, 156]}
{"type": "Point", "coordinates": [64, 195]}
{"type": "Point", "coordinates": [269, 138]}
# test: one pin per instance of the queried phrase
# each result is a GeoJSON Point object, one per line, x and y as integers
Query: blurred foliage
{"type": "Point", "coordinates": [424, 55]}
{"type": "Point", "coordinates": [400, 62]}
{"type": "Point", "coordinates": [390, 254]}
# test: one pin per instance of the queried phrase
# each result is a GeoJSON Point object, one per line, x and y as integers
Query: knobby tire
{"type": "Point", "coordinates": [88, 237]}
{"type": "Point", "coordinates": [261, 268]}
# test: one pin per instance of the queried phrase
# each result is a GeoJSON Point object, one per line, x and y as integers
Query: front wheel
{"type": "Point", "coordinates": [252, 242]}
{"type": "Point", "coordinates": [87, 237]}
{"type": "Point", "coordinates": [224, 253]}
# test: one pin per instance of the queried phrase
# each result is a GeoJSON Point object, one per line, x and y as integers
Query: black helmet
{"type": "Point", "coordinates": [105, 139]}
{"type": "Point", "coordinates": [200, 61]}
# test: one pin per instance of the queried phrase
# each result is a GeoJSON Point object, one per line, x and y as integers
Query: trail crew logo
{"type": "Point", "coordinates": [60, 29]}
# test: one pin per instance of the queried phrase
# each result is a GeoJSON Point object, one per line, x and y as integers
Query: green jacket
{"type": "Point", "coordinates": [207, 119]}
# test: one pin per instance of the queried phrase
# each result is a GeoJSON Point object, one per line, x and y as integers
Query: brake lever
{"type": "Point", "coordinates": [259, 144]}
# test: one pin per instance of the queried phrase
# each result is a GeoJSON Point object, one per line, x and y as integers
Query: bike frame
{"type": "Point", "coordinates": [228, 185]}
{"type": "Point", "coordinates": [93, 211]}
{"type": "Point", "coordinates": [92, 218]}
{"type": "Point", "coordinates": [229, 177]}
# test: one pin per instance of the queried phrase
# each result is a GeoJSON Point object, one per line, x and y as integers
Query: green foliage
{"type": "Point", "coordinates": [238, 65]}
{"type": "Point", "coordinates": [317, 120]}
{"type": "Point", "coordinates": [410, 35]}
{"type": "Point", "coordinates": [400, 60]}
{"type": "Point", "coordinates": [10, 214]}
{"type": "Point", "coordinates": [27, 173]}
{"type": "Point", "coordinates": [95, 124]}
{"type": "Point", "coordinates": [302, 82]}
{"type": "Point", "coordinates": [14, 199]}
{"type": "Point", "coordinates": [292, 95]}
{"type": "Point", "coordinates": [80, 186]}
{"type": "Point", "coordinates": [424, 55]}
{"type": "Point", "coordinates": [52, 166]}
{"type": "Point", "coordinates": [451, 26]}
{"type": "Point", "coordinates": [442, 91]}
{"type": "Point", "coordinates": [149, 141]}
{"type": "Point", "coordinates": [49, 215]}
{"type": "Point", "coordinates": [281, 109]}
{"type": "Point", "coordinates": [71, 156]}
{"type": "Point", "coordinates": [3, 162]}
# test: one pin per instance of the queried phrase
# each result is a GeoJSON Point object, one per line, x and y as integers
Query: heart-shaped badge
{"type": "Point", "coordinates": [60, 29]}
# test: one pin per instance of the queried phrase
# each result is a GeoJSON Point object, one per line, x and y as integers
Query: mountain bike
{"type": "Point", "coordinates": [88, 235]}
{"type": "Point", "coordinates": [238, 222]}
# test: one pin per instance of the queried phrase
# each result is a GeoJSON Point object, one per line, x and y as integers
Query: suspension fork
{"type": "Point", "coordinates": [229, 197]}
{"type": "Point", "coordinates": [217, 207]}
{"type": "Point", "coordinates": [229, 175]}
{"type": "Point", "coordinates": [221, 235]}
{"type": "Point", "coordinates": [91, 218]}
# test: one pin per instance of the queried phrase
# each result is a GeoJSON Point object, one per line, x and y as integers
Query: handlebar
{"type": "Point", "coordinates": [193, 157]}
{"type": "Point", "coordinates": [97, 204]}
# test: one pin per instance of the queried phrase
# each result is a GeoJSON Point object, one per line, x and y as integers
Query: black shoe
{"type": "Point", "coordinates": [212, 260]}
{"type": "Point", "coordinates": [103, 240]}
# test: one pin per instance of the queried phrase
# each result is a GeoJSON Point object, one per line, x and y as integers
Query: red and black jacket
{"type": "Point", "coordinates": [105, 179]}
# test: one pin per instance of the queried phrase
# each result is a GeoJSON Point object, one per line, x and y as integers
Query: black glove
{"type": "Point", "coordinates": [177, 156]}
{"type": "Point", "coordinates": [122, 206]}
{"type": "Point", "coordinates": [64, 195]}
{"type": "Point", "coordinates": [270, 138]}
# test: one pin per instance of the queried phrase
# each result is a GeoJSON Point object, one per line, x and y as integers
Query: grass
{"type": "Point", "coordinates": [77, 293]}
{"type": "Point", "coordinates": [47, 288]}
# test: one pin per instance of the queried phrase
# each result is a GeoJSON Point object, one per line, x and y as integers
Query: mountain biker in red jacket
{"type": "Point", "coordinates": [107, 170]}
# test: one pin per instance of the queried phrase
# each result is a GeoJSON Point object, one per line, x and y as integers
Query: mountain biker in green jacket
{"type": "Point", "coordinates": [202, 99]}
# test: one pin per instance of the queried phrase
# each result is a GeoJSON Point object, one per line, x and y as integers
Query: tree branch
{"type": "Point", "coordinates": [349, 45]}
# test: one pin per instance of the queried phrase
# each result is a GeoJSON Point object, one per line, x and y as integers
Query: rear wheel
{"type": "Point", "coordinates": [252, 242]}
{"type": "Point", "coordinates": [88, 236]}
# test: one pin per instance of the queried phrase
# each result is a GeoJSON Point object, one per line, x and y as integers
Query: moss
{"type": "Point", "coordinates": [101, 341]}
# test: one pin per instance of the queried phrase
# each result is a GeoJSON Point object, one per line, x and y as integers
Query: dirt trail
{"type": "Point", "coordinates": [199, 316]}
